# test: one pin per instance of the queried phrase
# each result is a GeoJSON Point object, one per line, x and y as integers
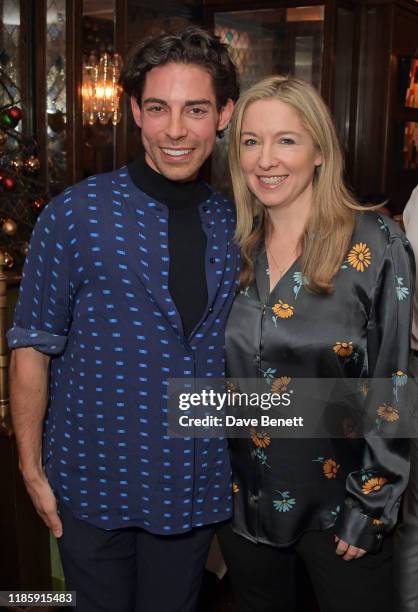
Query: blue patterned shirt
{"type": "Point", "coordinates": [94, 295]}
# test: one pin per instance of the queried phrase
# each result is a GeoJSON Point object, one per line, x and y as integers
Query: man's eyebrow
{"type": "Point", "coordinates": [187, 103]}
{"type": "Point", "coordinates": [154, 101]}
{"type": "Point", "coordinates": [197, 102]}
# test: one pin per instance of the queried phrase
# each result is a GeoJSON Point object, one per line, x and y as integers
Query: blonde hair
{"type": "Point", "coordinates": [326, 237]}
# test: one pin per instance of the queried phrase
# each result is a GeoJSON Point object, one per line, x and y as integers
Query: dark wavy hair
{"type": "Point", "coordinates": [191, 45]}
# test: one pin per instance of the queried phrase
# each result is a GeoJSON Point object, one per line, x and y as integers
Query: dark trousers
{"type": "Point", "coordinates": [264, 578]}
{"type": "Point", "coordinates": [131, 570]}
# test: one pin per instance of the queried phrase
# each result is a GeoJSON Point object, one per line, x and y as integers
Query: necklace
{"type": "Point", "coordinates": [289, 261]}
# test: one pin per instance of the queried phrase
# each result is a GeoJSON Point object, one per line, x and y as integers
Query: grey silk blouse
{"type": "Point", "coordinates": [283, 487]}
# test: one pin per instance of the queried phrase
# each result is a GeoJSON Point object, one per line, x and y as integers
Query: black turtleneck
{"type": "Point", "coordinates": [186, 239]}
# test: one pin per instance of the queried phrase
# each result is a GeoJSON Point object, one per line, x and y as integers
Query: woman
{"type": "Point", "coordinates": [324, 293]}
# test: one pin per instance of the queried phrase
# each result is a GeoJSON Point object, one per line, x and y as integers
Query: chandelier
{"type": "Point", "coordinates": [101, 90]}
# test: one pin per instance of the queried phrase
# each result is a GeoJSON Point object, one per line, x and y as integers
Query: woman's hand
{"type": "Point", "coordinates": [347, 551]}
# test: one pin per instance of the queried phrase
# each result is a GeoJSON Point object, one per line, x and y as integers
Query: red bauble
{"type": "Point", "coordinates": [9, 183]}
{"type": "Point", "coordinates": [15, 113]}
{"type": "Point", "coordinates": [38, 204]}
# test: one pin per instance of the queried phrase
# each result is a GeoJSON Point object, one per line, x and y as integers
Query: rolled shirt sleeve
{"type": "Point", "coordinates": [43, 312]}
{"type": "Point", "coordinates": [374, 492]}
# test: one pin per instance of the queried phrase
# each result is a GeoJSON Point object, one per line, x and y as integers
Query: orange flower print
{"type": "Point", "coordinates": [374, 484]}
{"type": "Point", "coordinates": [360, 256]}
{"type": "Point", "coordinates": [330, 468]}
{"type": "Point", "coordinates": [280, 384]}
{"type": "Point", "coordinates": [283, 311]}
{"type": "Point", "coordinates": [388, 413]}
{"type": "Point", "coordinates": [259, 438]}
{"type": "Point", "coordinates": [235, 488]}
{"type": "Point", "coordinates": [343, 349]}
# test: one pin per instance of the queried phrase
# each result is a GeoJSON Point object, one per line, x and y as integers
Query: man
{"type": "Point", "coordinates": [128, 282]}
{"type": "Point", "coordinates": [406, 541]}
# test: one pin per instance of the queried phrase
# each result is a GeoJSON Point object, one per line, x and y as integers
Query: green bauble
{"type": "Point", "coordinates": [6, 120]}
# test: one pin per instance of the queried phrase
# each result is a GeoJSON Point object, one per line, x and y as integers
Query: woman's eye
{"type": "Point", "coordinates": [249, 142]}
{"type": "Point", "coordinates": [287, 141]}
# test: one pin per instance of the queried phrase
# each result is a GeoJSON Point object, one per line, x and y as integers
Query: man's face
{"type": "Point", "coordinates": [179, 119]}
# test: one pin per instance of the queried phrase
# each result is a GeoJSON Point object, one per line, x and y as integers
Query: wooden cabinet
{"type": "Point", "coordinates": [389, 34]}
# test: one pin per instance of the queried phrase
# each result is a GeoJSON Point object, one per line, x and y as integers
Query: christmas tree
{"type": "Point", "coordinates": [22, 195]}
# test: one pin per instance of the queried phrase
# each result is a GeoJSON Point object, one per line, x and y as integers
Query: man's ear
{"type": "Point", "coordinates": [136, 111]}
{"type": "Point", "coordinates": [225, 115]}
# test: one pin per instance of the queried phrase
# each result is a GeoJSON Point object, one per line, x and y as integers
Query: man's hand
{"type": "Point", "coordinates": [44, 501]}
{"type": "Point", "coordinates": [348, 552]}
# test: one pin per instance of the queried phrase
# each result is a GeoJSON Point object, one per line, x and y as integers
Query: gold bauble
{"type": "Point", "coordinates": [32, 164]}
{"type": "Point", "coordinates": [6, 259]}
{"type": "Point", "coordinates": [24, 247]}
{"type": "Point", "coordinates": [17, 164]}
{"type": "Point", "coordinates": [9, 227]}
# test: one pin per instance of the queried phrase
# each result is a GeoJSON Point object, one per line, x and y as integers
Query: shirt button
{"type": "Point", "coordinates": [257, 358]}
{"type": "Point", "coordinates": [210, 308]}
{"type": "Point", "coordinates": [253, 499]}
{"type": "Point", "coordinates": [212, 259]}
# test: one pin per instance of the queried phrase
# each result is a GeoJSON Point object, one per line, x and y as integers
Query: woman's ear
{"type": "Point", "coordinates": [318, 159]}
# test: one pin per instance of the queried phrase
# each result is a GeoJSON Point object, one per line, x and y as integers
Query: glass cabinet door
{"type": "Point", "coordinates": [265, 42]}
{"type": "Point", "coordinates": [56, 96]}
{"type": "Point", "coordinates": [98, 52]}
{"type": "Point", "coordinates": [10, 34]}
{"type": "Point", "coordinates": [343, 77]}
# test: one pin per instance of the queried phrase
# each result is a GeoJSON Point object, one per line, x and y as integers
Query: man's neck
{"type": "Point", "coordinates": [171, 193]}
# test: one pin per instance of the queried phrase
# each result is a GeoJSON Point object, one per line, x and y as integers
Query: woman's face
{"type": "Point", "coordinates": [277, 154]}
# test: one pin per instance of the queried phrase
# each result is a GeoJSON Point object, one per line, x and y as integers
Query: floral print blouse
{"type": "Point", "coordinates": [283, 487]}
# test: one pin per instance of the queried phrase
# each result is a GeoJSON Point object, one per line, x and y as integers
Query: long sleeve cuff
{"type": "Point", "coordinates": [44, 342]}
{"type": "Point", "coordinates": [358, 529]}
